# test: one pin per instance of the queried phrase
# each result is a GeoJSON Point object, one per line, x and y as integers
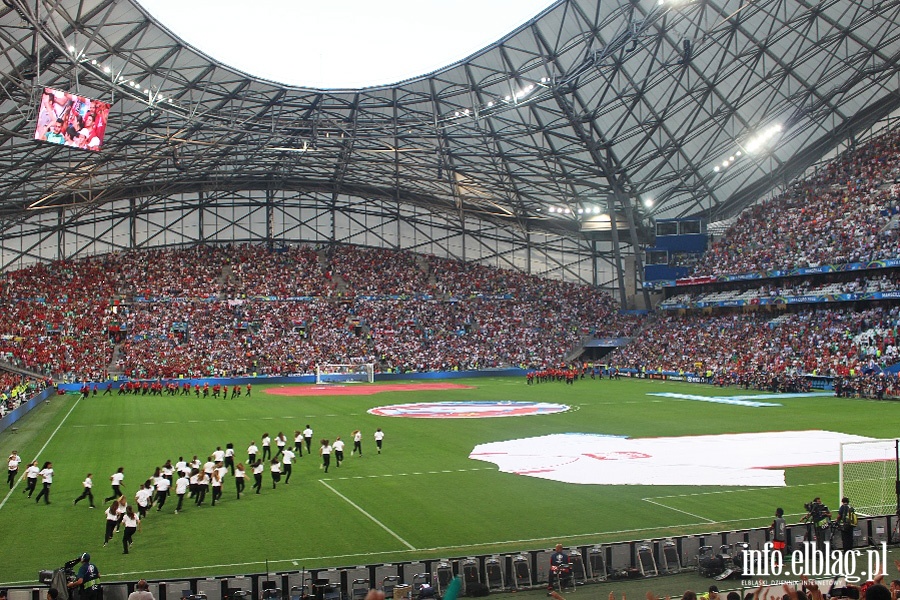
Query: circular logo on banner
{"type": "Point", "coordinates": [468, 410]}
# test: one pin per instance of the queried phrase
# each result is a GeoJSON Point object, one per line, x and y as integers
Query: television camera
{"type": "Point", "coordinates": [818, 514]}
{"type": "Point", "coordinates": [727, 562]}
{"type": "Point", "coordinates": [59, 578]}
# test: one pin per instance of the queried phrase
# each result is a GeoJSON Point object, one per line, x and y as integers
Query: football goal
{"type": "Point", "coordinates": [358, 373]}
{"type": "Point", "coordinates": [870, 476]}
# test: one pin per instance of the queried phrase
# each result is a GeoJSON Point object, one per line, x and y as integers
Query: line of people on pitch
{"type": "Point", "coordinates": [196, 480]}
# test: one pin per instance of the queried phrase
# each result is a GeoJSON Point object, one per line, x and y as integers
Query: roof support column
{"type": "Point", "coordinates": [270, 218]}
{"type": "Point", "coordinates": [132, 223]}
{"type": "Point", "coordinates": [607, 168]}
{"type": "Point", "coordinates": [60, 234]}
{"type": "Point", "coordinates": [617, 253]}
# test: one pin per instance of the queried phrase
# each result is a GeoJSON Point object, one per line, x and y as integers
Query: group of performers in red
{"type": "Point", "coordinates": [158, 387]}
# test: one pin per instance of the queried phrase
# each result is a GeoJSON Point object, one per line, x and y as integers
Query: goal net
{"type": "Point", "coordinates": [868, 476]}
{"type": "Point", "coordinates": [358, 373]}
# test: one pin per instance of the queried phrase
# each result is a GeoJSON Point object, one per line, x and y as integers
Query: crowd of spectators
{"type": "Point", "coordinates": [227, 310]}
{"type": "Point", "coordinates": [755, 290]}
{"type": "Point", "coordinates": [868, 385]}
{"type": "Point", "coordinates": [245, 309]}
{"type": "Point", "coordinates": [843, 214]}
{"type": "Point", "coordinates": [16, 389]}
{"type": "Point", "coordinates": [238, 310]}
{"type": "Point", "coordinates": [753, 348]}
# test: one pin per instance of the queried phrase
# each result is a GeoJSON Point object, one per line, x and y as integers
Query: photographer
{"type": "Point", "coordinates": [846, 523]}
{"type": "Point", "coordinates": [559, 567]}
{"type": "Point", "coordinates": [87, 580]}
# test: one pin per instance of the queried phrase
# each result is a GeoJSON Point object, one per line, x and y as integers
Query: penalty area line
{"type": "Point", "coordinates": [684, 512]}
{"type": "Point", "coordinates": [736, 490]}
{"type": "Point", "coordinates": [370, 517]}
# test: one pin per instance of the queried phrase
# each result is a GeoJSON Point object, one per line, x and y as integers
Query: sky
{"type": "Point", "coordinates": [341, 43]}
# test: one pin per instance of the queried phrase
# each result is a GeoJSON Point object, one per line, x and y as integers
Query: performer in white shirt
{"type": "Point", "coordinates": [379, 436]}
{"type": "Point", "coordinates": [181, 488]}
{"type": "Point", "coordinates": [13, 468]}
{"type": "Point", "coordinates": [338, 450]}
{"type": "Point", "coordinates": [88, 483]}
{"type": "Point", "coordinates": [116, 481]}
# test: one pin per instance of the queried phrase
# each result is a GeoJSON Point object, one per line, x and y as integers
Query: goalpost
{"type": "Point", "coordinates": [347, 373]}
{"type": "Point", "coordinates": [869, 474]}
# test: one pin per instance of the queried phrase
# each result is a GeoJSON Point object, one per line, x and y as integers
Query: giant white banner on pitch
{"type": "Point", "coordinates": [752, 459]}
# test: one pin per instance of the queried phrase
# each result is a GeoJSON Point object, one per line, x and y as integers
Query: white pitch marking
{"type": "Point", "coordinates": [349, 477]}
{"type": "Point", "coordinates": [752, 489]}
{"type": "Point", "coordinates": [371, 518]}
{"type": "Point", "coordinates": [684, 512]}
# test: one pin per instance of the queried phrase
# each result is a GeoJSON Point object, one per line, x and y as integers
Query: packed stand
{"type": "Point", "coordinates": [245, 309]}
{"type": "Point", "coordinates": [755, 349]}
{"type": "Point", "coordinates": [752, 291]}
{"type": "Point", "coordinates": [376, 271]}
{"type": "Point", "coordinates": [845, 213]}
{"type": "Point", "coordinates": [16, 389]}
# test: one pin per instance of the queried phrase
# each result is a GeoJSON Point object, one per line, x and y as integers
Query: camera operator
{"type": "Point", "coordinates": [87, 580]}
{"type": "Point", "coordinates": [820, 517]}
{"type": "Point", "coordinates": [817, 513]}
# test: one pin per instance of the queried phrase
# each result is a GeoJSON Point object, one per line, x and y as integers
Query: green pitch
{"type": "Point", "coordinates": [422, 498]}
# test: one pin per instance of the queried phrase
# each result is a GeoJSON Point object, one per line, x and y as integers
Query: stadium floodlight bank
{"type": "Point", "coordinates": [333, 373]}
{"type": "Point", "coordinates": [869, 475]}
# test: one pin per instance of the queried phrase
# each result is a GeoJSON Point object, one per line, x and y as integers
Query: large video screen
{"type": "Point", "coordinates": [71, 120]}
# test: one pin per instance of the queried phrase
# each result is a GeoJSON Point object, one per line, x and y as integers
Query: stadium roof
{"type": "Point", "coordinates": [589, 105]}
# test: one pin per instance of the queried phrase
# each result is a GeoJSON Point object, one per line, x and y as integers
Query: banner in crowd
{"type": "Point", "coordinates": [886, 263]}
{"type": "Point", "coordinates": [775, 300]}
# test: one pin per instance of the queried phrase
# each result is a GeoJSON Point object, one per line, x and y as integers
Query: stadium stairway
{"type": "Point", "coordinates": [425, 266]}
{"type": "Point", "coordinates": [226, 277]}
{"type": "Point", "coordinates": [577, 350]}
{"type": "Point", "coordinates": [338, 283]}
{"type": "Point", "coordinates": [113, 367]}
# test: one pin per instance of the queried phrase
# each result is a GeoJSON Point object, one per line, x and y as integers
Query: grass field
{"type": "Point", "coordinates": [422, 498]}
